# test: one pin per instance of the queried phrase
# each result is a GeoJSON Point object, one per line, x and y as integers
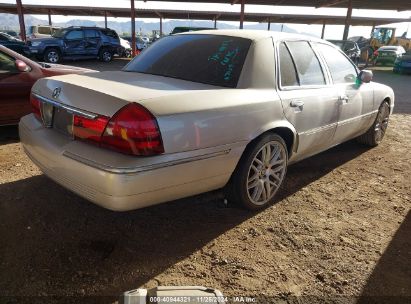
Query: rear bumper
{"type": "Point", "coordinates": [122, 182]}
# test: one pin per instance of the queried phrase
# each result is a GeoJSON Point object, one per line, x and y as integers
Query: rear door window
{"type": "Point", "coordinates": [307, 64]}
{"type": "Point", "coordinates": [211, 59]}
{"type": "Point", "coordinates": [288, 74]}
{"type": "Point", "coordinates": [91, 34]}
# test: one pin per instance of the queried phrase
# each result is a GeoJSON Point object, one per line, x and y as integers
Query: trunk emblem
{"type": "Point", "coordinates": [56, 93]}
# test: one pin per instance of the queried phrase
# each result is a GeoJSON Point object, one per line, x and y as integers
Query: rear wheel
{"type": "Point", "coordinates": [376, 132]}
{"type": "Point", "coordinates": [52, 55]}
{"type": "Point", "coordinates": [105, 55]}
{"type": "Point", "coordinates": [260, 173]}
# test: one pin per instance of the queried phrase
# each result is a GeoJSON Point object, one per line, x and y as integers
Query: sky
{"type": "Point", "coordinates": [331, 31]}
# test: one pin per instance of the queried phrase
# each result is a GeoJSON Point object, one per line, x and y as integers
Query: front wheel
{"type": "Point", "coordinates": [376, 132]}
{"type": "Point", "coordinates": [260, 173]}
{"type": "Point", "coordinates": [52, 56]}
{"type": "Point", "coordinates": [105, 55]}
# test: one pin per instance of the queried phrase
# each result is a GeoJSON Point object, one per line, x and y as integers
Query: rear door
{"type": "Point", "coordinates": [93, 42]}
{"type": "Point", "coordinates": [75, 45]}
{"type": "Point", "coordinates": [15, 89]}
{"type": "Point", "coordinates": [308, 99]}
{"type": "Point", "coordinates": [355, 101]}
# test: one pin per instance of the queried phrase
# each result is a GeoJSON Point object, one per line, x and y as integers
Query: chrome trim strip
{"type": "Point", "coordinates": [340, 123]}
{"type": "Point", "coordinates": [70, 109]}
{"type": "Point", "coordinates": [349, 120]}
{"type": "Point", "coordinates": [320, 129]}
{"type": "Point", "coordinates": [124, 170]}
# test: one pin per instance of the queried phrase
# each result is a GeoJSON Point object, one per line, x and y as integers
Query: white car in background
{"type": "Point", "coordinates": [201, 111]}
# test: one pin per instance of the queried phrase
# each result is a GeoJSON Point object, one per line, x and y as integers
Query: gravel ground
{"type": "Point", "coordinates": [340, 229]}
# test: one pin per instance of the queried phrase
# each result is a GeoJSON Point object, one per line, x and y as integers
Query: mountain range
{"type": "Point", "coordinates": [11, 22]}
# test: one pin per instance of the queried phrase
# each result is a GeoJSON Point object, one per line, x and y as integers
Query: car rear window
{"type": "Point", "coordinates": [110, 33]}
{"type": "Point", "coordinates": [211, 59]}
{"type": "Point", "coordinates": [44, 30]}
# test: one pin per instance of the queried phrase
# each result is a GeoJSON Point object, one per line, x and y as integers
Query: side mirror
{"type": "Point", "coordinates": [366, 76]}
{"type": "Point", "coordinates": [21, 66]}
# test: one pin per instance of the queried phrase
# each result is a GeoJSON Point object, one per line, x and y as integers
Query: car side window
{"type": "Point", "coordinates": [307, 64]}
{"type": "Point", "coordinates": [7, 64]}
{"type": "Point", "coordinates": [91, 33]}
{"type": "Point", "coordinates": [341, 68]}
{"type": "Point", "coordinates": [288, 74]}
{"type": "Point", "coordinates": [75, 34]}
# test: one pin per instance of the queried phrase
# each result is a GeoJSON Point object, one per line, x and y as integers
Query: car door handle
{"type": "Point", "coordinates": [296, 103]}
{"type": "Point", "coordinates": [343, 98]}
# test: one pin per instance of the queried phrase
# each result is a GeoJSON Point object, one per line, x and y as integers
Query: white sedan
{"type": "Point", "coordinates": [201, 111]}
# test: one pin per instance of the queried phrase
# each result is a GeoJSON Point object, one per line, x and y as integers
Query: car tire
{"type": "Point", "coordinates": [105, 55]}
{"type": "Point", "coordinates": [376, 132]}
{"type": "Point", "coordinates": [259, 173]}
{"type": "Point", "coordinates": [52, 55]}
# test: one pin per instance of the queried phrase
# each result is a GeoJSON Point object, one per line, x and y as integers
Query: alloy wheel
{"type": "Point", "coordinates": [53, 57]}
{"type": "Point", "coordinates": [266, 173]}
{"type": "Point", "coordinates": [382, 122]}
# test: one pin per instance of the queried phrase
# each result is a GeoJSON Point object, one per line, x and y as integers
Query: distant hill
{"type": "Point", "coordinates": [9, 21]}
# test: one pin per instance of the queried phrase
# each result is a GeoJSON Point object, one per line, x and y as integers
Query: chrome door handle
{"type": "Point", "coordinates": [296, 103]}
{"type": "Point", "coordinates": [343, 98]}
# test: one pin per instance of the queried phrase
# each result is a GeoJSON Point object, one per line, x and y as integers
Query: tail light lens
{"type": "Point", "coordinates": [133, 130]}
{"type": "Point", "coordinates": [89, 129]}
{"type": "Point", "coordinates": [35, 106]}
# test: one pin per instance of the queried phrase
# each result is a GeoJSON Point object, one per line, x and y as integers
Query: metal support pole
{"type": "Point", "coordinates": [348, 20]}
{"type": "Point", "coordinates": [323, 30]}
{"type": "Point", "coordinates": [215, 23]}
{"type": "Point", "coordinates": [105, 19]}
{"type": "Point", "coordinates": [133, 28]}
{"type": "Point", "coordinates": [50, 18]}
{"type": "Point", "coordinates": [242, 14]}
{"type": "Point", "coordinates": [21, 20]}
{"type": "Point", "coordinates": [161, 26]}
{"type": "Point", "coordinates": [373, 28]}
{"type": "Point", "coordinates": [269, 25]}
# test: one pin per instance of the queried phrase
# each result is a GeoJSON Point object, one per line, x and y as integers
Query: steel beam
{"type": "Point", "coordinates": [21, 20]}
{"type": "Point", "coordinates": [49, 12]}
{"type": "Point", "coordinates": [323, 30]}
{"type": "Point", "coordinates": [242, 14]}
{"type": "Point", "coordinates": [347, 20]}
{"type": "Point", "coordinates": [161, 26]}
{"type": "Point", "coordinates": [133, 28]}
{"type": "Point", "coordinates": [105, 19]}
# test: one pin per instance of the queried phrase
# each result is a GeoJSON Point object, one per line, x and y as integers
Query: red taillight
{"type": "Point", "coordinates": [35, 105]}
{"type": "Point", "coordinates": [133, 130]}
{"type": "Point", "coordinates": [89, 129]}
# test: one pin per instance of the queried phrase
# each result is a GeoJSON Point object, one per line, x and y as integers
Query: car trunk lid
{"type": "Point", "coordinates": [106, 92]}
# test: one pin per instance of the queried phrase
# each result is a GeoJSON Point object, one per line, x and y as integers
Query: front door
{"type": "Point", "coordinates": [309, 102]}
{"type": "Point", "coordinates": [356, 101]}
{"type": "Point", "coordinates": [15, 89]}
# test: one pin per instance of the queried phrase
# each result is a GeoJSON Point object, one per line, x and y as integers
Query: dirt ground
{"type": "Point", "coordinates": [339, 232]}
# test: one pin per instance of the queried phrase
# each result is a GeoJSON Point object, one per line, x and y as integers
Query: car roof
{"type": "Point", "coordinates": [255, 34]}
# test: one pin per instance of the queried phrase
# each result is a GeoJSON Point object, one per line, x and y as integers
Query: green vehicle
{"type": "Point", "coordinates": [183, 29]}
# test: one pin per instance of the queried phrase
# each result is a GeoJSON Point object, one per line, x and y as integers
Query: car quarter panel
{"type": "Point", "coordinates": [121, 182]}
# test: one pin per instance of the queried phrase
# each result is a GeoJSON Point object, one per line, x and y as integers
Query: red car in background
{"type": "Point", "coordinates": [17, 76]}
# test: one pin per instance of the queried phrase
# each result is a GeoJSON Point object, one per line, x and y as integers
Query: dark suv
{"type": "Point", "coordinates": [77, 43]}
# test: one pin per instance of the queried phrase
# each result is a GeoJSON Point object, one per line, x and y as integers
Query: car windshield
{"type": "Point", "coordinates": [59, 33]}
{"type": "Point", "coordinates": [210, 59]}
